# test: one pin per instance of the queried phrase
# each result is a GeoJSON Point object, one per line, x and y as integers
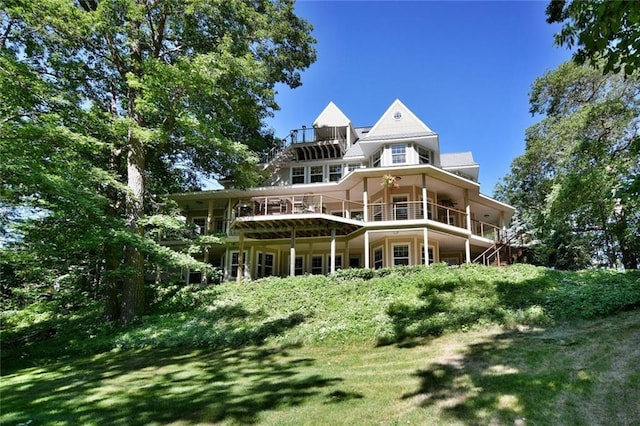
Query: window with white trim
{"type": "Point", "coordinates": [400, 254]}
{"type": "Point", "coordinates": [298, 266]}
{"type": "Point", "coordinates": [234, 262]}
{"type": "Point", "coordinates": [335, 172]}
{"type": "Point", "coordinates": [316, 265]}
{"type": "Point", "coordinates": [297, 175]}
{"type": "Point", "coordinates": [316, 174]}
{"type": "Point", "coordinates": [268, 264]}
{"type": "Point", "coordinates": [398, 154]}
{"type": "Point", "coordinates": [378, 258]}
{"type": "Point", "coordinates": [431, 256]}
{"type": "Point", "coordinates": [400, 207]}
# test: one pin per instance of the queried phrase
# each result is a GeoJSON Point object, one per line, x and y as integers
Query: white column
{"type": "Point", "coordinates": [467, 250]}
{"type": "Point", "coordinates": [292, 253]}
{"type": "Point", "coordinates": [425, 203]}
{"type": "Point", "coordinates": [366, 249]}
{"type": "Point", "coordinates": [425, 236]}
{"type": "Point", "coordinates": [240, 271]}
{"type": "Point", "coordinates": [332, 268]}
{"type": "Point", "coordinates": [365, 199]}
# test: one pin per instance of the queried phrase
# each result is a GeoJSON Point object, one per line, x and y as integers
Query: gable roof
{"type": "Point", "coordinates": [331, 116]}
{"type": "Point", "coordinates": [398, 121]}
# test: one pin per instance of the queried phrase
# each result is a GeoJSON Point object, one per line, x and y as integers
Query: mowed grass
{"type": "Point", "coordinates": [411, 346]}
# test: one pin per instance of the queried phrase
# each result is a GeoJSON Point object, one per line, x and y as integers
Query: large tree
{"type": "Point", "coordinates": [168, 89]}
{"type": "Point", "coordinates": [601, 30]}
{"type": "Point", "coordinates": [577, 184]}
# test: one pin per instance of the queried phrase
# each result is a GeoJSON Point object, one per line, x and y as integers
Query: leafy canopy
{"type": "Point", "coordinates": [602, 30]}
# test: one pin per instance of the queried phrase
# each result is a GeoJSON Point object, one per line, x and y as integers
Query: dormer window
{"type": "Point", "coordinates": [398, 154]}
{"type": "Point", "coordinates": [297, 175]}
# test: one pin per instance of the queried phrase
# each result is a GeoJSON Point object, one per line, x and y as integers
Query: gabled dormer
{"type": "Point", "coordinates": [399, 138]}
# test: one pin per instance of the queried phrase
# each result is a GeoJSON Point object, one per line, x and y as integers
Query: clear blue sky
{"type": "Point", "coordinates": [464, 68]}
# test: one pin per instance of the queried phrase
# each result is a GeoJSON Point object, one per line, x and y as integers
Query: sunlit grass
{"type": "Point", "coordinates": [438, 345]}
{"type": "Point", "coordinates": [564, 374]}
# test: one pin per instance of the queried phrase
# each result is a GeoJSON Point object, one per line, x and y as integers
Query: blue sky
{"type": "Point", "coordinates": [464, 68]}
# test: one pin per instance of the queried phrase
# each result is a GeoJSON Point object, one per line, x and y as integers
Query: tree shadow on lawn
{"type": "Point", "coordinates": [234, 380]}
{"type": "Point", "coordinates": [544, 375]}
{"type": "Point", "coordinates": [162, 386]}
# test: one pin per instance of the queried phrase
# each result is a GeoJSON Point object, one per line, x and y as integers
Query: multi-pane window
{"type": "Point", "coordinates": [338, 261]}
{"type": "Point", "coordinates": [378, 258]}
{"type": "Point", "coordinates": [268, 264]}
{"type": "Point", "coordinates": [316, 265]}
{"type": "Point", "coordinates": [401, 255]}
{"type": "Point", "coordinates": [234, 263]}
{"type": "Point", "coordinates": [398, 154]}
{"type": "Point", "coordinates": [431, 257]}
{"type": "Point", "coordinates": [297, 175]}
{"type": "Point", "coordinates": [200, 225]}
{"type": "Point", "coordinates": [424, 155]}
{"type": "Point", "coordinates": [335, 172]}
{"type": "Point", "coordinates": [316, 174]}
{"type": "Point", "coordinates": [400, 207]}
{"type": "Point", "coordinates": [299, 269]}
{"type": "Point", "coordinates": [375, 159]}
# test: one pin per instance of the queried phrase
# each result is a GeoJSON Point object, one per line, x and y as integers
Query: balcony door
{"type": "Point", "coordinates": [400, 207]}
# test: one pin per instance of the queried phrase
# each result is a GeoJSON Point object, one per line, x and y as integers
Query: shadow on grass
{"type": "Point", "coordinates": [161, 387]}
{"type": "Point", "coordinates": [231, 378]}
{"type": "Point", "coordinates": [583, 371]}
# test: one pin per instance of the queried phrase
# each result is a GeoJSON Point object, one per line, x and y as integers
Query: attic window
{"type": "Point", "coordinates": [397, 115]}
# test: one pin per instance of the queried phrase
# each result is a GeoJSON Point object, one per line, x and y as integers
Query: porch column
{"type": "Point", "coordinates": [240, 271]}
{"type": "Point", "coordinates": [366, 249]}
{"type": "Point", "coordinates": [365, 200]}
{"type": "Point", "coordinates": [425, 203]}
{"type": "Point", "coordinates": [467, 208]}
{"type": "Point", "coordinates": [425, 236]}
{"type": "Point", "coordinates": [467, 250]}
{"type": "Point", "coordinates": [210, 217]}
{"type": "Point", "coordinates": [229, 216]}
{"type": "Point", "coordinates": [332, 268]}
{"type": "Point", "coordinates": [347, 209]}
{"type": "Point", "coordinates": [292, 253]}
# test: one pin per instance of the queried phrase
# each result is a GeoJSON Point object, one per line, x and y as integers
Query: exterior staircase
{"type": "Point", "coordinates": [499, 254]}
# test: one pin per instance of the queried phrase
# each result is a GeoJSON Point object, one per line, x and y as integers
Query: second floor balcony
{"type": "Point", "coordinates": [397, 211]}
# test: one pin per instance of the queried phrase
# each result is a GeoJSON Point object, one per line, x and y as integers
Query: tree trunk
{"type": "Point", "coordinates": [113, 256]}
{"type": "Point", "coordinates": [133, 288]}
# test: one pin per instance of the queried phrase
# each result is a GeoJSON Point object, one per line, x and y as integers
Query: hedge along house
{"type": "Point", "coordinates": [341, 196]}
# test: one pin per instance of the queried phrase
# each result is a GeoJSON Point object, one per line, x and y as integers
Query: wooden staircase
{"type": "Point", "coordinates": [499, 254]}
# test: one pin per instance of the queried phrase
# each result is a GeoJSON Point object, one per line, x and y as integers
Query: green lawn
{"type": "Point", "coordinates": [416, 346]}
{"type": "Point", "coordinates": [579, 373]}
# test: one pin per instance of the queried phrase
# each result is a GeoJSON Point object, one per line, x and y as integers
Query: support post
{"type": "Point", "coordinates": [365, 199]}
{"type": "Point", "coordinates": [292, 253]}
{"type": "Point", "coordinates": [332, 268]}
{"type": "Point", "coordinates": [425, 236]}
{"type": "Point", "coordinates": [366, 249]}
{"type": "Point", "coordinates": [240, 271]}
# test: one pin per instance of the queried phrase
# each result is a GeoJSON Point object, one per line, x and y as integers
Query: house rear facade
{"type": "Point", "coordinates": [341, 196]}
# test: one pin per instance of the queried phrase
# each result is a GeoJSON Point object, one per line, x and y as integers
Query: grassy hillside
{"type": "Point", "coordinates": [416, 345]}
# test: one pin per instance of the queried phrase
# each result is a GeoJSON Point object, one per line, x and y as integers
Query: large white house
{"type": "Point", "coordinates": [341, 196]}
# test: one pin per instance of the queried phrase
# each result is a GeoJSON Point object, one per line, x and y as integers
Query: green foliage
{"type": "Point", "coordinates": [396, 306]}
{"type": "Point", "coordinates": [601, 30]}
{"type": "Point", "coordinates": [575, 185]}
{"type": "Point", "coordinates": [104, 105]}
